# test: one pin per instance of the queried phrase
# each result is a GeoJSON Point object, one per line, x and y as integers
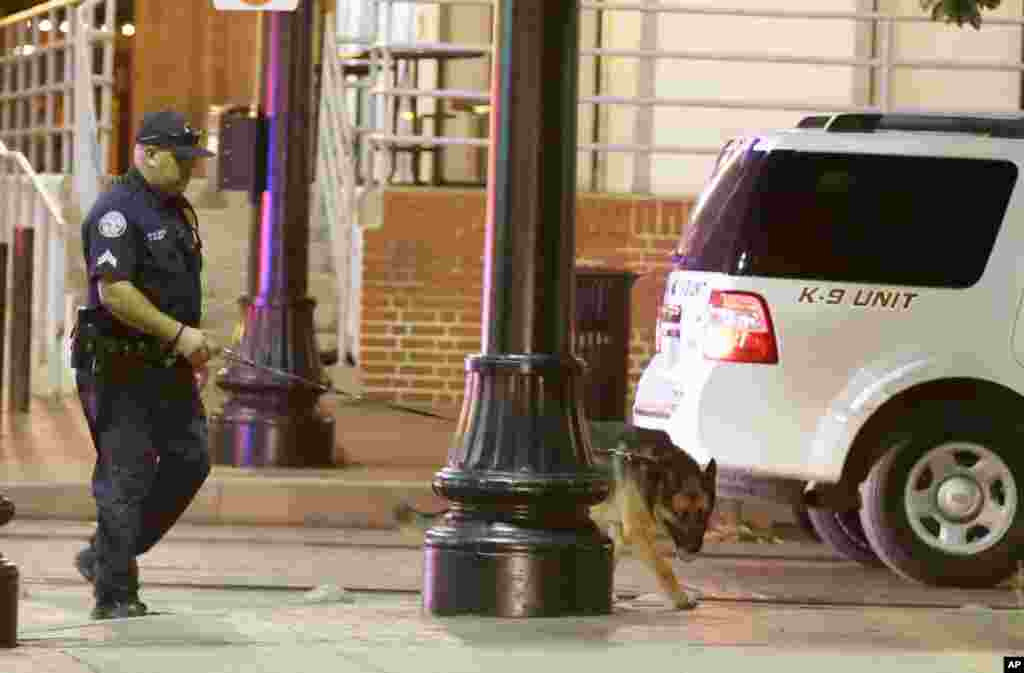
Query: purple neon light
{"type": "Point", "coordinates": [266, 244]}
{"type": "Point", "coordinates": [245, 440]}
{"type": "Point", "coordinates": [489, 251]}
{"type": "Point", "coordinates": [267, 209]}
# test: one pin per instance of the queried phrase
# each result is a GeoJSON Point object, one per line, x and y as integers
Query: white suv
{"type": "Point", "coordinates": [841, 331]}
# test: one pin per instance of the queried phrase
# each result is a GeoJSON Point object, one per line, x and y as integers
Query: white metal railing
{"type": "Point", "coordinates": [56, 66]}
{"type": "Point", "coordinates": [31, 203]}
{"type": "Point", "coordinates": [91, 145]}
{"type": "Point", "coordinates": [381, 132]}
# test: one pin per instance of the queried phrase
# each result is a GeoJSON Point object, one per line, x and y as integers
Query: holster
{"type": "Point", "coordinates": [83, 335]}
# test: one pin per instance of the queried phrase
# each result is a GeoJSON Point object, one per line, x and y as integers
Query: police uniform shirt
{"type": "Point", "coordinates": [137, 234]}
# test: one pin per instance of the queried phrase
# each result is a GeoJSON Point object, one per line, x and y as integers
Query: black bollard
{"type": "Point", "coordinates": [8, 587]}
{"type": "Point", "coordinates": [21, 319]}
{"type": "Point", "coordinates": [518, 540]}
{"type": "Point", "coordinates": [3, 309]}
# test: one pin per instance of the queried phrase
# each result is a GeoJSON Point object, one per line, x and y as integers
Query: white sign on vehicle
{"type": "Point", "coordinates": [250, 5]}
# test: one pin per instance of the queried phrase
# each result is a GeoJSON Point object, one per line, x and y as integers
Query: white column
{"type": "Point", "coordinates": [643, 124]}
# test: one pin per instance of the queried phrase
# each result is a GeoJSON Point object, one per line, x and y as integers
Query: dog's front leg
{"type": "Point", "coordinates": [665, 575]}
{"type": "Point", "coordinates": [618, 543]}
{"type": "Point", "coordinates": [618, 549]}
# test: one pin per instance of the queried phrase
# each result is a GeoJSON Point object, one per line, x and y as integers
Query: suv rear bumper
{"type": "Point", "coordinates": [719, 410]}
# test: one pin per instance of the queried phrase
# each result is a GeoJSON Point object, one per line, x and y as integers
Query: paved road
{"type": "Point", "coordinates": [773, 608]}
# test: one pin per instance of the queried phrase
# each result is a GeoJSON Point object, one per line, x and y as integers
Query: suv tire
{"type": "Point", "coordinates": [936, 451]}
{"type": "Point", "coordinates": [844, 533]}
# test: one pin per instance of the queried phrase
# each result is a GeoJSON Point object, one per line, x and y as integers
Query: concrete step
{"type": "Point", "coordinates": [351, 498]}
{"type": "Point", "coordinates": [385, 457]}
{"type": "Point", "coordinates": [357, 498]}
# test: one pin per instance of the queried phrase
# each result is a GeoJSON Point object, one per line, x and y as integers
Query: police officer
{"type": "Point", "coordinates": [139, 385]}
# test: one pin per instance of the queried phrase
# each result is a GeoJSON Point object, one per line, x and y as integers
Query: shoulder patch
{"type": "Point", "coordinates": [113, 224]}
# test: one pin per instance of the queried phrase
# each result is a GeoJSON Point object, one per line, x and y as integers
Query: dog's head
{"type": "Point", "coordinates": [682, 499]}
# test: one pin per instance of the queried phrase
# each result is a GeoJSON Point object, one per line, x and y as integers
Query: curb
{"type": "Point", "coordinates": [309, 502]}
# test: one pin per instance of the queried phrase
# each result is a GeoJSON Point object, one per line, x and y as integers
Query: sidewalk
{"type": "Point", "coordinates": [299, 559]}
{"type": "Point", "coordinates": [302, 600]}
{"type": "Point", "coordinates": [387, 457]}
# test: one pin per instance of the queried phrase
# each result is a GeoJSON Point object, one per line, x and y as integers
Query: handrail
{"type": "Point", "coordinates": [35, 11]}
{"type": "Point", "coordinates": [26, 168]}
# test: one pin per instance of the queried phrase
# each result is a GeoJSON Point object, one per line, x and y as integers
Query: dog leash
{"type": "Point", "coordinates": [627, 455]}
{"type": "Point", "coordinates": [329, 389]}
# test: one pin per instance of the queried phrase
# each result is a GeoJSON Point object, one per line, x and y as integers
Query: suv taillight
{"type": "Point", "coordinates": [667, 324]}
{"type": "Point", "coordinates": [739, 329]}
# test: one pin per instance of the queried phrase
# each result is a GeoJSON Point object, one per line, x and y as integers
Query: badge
{"type": "Point", "coordinates": [113, 224]}
{"type": "Point", "coordinates": [107, 258]}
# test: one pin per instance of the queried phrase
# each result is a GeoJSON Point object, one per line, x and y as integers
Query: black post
{"type": "Point", "coordinates": [3, 309]}
{"type": "Point", "coordinates": [8, 572]}
{"type": "Point", "coordinates": [268, 420]}
{"type": "Point", "coordinates": [8, 587]}
{"type": "Point", "coordinates": [21, 319]}
{"type": "Point", "coordinates": [518, 541]}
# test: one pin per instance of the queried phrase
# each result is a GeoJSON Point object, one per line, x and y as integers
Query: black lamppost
{"type": "Point", "coordinates": [518, 541]}
{"type": "Point", "coordinates": [268, 420]}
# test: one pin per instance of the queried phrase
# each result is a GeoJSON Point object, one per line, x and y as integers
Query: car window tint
{"type": "Point", "coordinates": [897, 220]}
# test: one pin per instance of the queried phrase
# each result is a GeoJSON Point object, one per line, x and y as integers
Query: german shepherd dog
{"type": "Point", "coordinates": [655, 488]}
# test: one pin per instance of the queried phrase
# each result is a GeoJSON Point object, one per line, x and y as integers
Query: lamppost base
{"type": "Point", "coordinates": [251, 432]}
{"type": "Point", "coordinates": [268, 421]}
{"type": "Point", "coordinates": [512, 569]}
{"type": "Point", "coordinates": [518, 540]}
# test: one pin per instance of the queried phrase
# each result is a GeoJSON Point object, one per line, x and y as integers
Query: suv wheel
{"type": "Point", "coordinates": [943, 506]}
{"type": "Point", "coordinates": [844, 533]}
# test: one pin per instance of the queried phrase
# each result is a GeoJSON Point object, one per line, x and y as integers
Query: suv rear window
{"type": "Point", "coordinates": [893, 220]}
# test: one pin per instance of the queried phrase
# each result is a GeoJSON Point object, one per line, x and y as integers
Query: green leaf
{"type": "Point", "coordinates": [959, 11]}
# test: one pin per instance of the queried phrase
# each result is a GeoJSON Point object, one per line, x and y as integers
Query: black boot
{"type": "Point", "coordinates": [119, 609]}
{"type": "Point", "coordinates": [118, 596]}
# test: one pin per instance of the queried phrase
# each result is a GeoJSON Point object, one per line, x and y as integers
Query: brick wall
{"type": "Point", "coordinates": [423, 280]}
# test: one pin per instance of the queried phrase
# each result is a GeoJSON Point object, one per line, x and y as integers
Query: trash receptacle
{"type": "Point", "coordinates": [602, 339]}
{"type": "Point", "coordinates": [238, 139]}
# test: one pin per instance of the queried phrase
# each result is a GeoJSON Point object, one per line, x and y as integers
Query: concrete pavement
{"type": "Point", "coordinates": [309, 600]}
{"type": "Point", "coordinates": [302, 572]}
{"type": "Point", "coordinates": [389, 634]}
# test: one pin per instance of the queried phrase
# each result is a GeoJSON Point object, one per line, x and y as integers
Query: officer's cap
{"type": "Point", "coordinates": [168, 128]}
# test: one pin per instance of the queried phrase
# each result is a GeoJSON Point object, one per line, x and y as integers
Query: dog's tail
{"type": "Point", "coordinates": [413, 522]}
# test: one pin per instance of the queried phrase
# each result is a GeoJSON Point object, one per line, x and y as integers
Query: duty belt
{"type": "Point", "coordinates": [152, 352]}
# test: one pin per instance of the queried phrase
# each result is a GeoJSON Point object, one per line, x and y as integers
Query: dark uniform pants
{"type": "Point", "coordinates": [149, 429]}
